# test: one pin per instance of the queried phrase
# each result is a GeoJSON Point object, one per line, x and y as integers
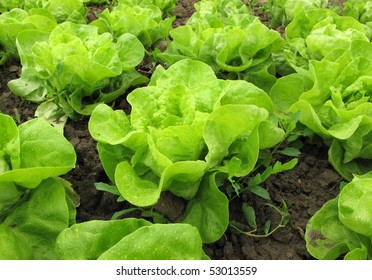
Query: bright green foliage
{"type": "Point", "coordinates": [74, 63]}
{"type": "Point", "coordinates": [32, 152]}
{"type": "Point", "coordinates": [334, 101]}
{"type": "Point", "coordinates": [130, 239]}
{"type": "Point", "coordinates": [283, 11]}
{"type": "Point", "coordinates": [343, 225]}
{"type": "Point", "coordinates": [183, 126]}
{"type": "Point", "coordinates": [316, 32]}
{"type": "Point", "coordinates": [166, 6]}
{"type": "Point", "coordinates": [362, 11]}
{"type": "Point", "coordinates": [17, 20]}
{"type": "Point", "coordinates": [140, 18]}
{"type": "Point", "coordinates": [29, 229]}
{"type": "Point", "coordinates": [62, 10]}
{"type": "Point", "coordinates": [224, 35]}
{"type": "Point", "coordinates": [34, 207]}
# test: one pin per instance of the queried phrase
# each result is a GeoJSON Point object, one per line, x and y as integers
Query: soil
{"type": "Point", "coordinates": [304, 189]}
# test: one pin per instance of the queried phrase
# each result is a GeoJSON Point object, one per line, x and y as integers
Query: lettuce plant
{"type": "Point", "coordinates": [166, 6]}
{"type": "Point", "coordinates": [224, 35]}
{"type": "Point", "coordinates": [362, 11]}
{"type": "Point", "coordinates": [335, 103]}
{"type": "Point", "coordinates": [342, 227]}
{"type": "Point", "coordinates": [62, 10]}
{"type": "Point", "coordinates": [17, 20]}
{"type": "Point", "coordinates": [140, 18]}
{"type": "Point", "coordinates": [185, 128]}
{"type": "Point", "coordinates": [314, 33]}
{"type": "Point", "coordinates": [35, 205]}
{"type": "Point", "coordinates": [284, 11]}
{"type": "Point", "coordinates": [129, 239]}
{"type": "Point", "coordinates": [73, 68]}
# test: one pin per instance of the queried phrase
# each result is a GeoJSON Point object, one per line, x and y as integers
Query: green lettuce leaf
{"type": "Point", "coordinates": [37, 149]}
{"type": "Point", "coordinates": [30, 230]}
{"type": "Point", "coordinates": [208, 211]}
{"type": "Point", "coordinates": [178, 242]}
{"type": "Point", "coordinates": [89, 240]}
{"type": "Point", "coordinates": [14, 22]}
{"type": "Point", "coordinates": [342, 226]}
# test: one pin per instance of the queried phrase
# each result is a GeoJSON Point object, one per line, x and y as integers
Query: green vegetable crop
{"type": "Point", "coordinates": [228, 38]}
{"type": "Point", "coordinates": [73, 68]}
{"type": "Point", "coordinates": [130, 239]}
{"type": "Point", "coordinates": [17, 20]}
{"type": "Point", "coordinates": [185, 127]}
{"type": "Point", "coordinates": [342, 228]}
{"type": "Point", "coordinates": [35, 205]}
{"type": "Point", "coordinates": [143, 19]}
{"type": "Point", "coordinates": [203, 130]}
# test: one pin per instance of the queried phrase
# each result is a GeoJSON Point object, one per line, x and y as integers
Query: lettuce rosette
{"type": "Point", "coordinates": [73, 68]}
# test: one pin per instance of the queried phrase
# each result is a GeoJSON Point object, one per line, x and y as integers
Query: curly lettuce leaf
{"type": "Point", "coordinates": [334, 102]}
{"type": "Point", "coordinates": [73, 69]}
{"type": "Point", "coordinates": [315, 33]}
{"type": "Point", "coordinates": [140, 18]}
{"type": "Point", "coordinates": [14, 22]}
{"type": "Point", "coordinates": [284, 11]}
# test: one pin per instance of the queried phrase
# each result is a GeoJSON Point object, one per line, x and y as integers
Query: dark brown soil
{"type": "Point", "coordinates": [304, 189]}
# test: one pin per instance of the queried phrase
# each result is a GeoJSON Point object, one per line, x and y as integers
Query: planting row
{"type": "Point", "coordinates": [225, 95]}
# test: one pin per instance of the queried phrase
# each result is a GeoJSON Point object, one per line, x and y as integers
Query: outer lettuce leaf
{"type": "Point", "coordinates": [208, 211]}
{"type": "Point", "coordinates": [38, 150]}
{"type": "Point", "coordinates": [326, 237]}
{"type": "Point", "coordinates": [129, 239]}
{"type": "Point", "coordinates": [30, 230]}
{"type": "Point", "coordinates": [9, 144]}
{"type": "Point", "coordinates": [89, 240]}
{"type": "Point", "coordinates": [34, 205]}
{"type": "Point", "coordinates": [183, 178]}
{"type": "Point", "coordinates": [342, 225]}
{"type": "Point", "coordinates": [346, 169]}
{"type": "Point", "coordinates": [10, 195]}
{"type": "Point", "coordinates": [177, 242]}
{"type": "Point", "coordinates": [354, 204]}
{"type": "Point", "coordinates": [138, 191]}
